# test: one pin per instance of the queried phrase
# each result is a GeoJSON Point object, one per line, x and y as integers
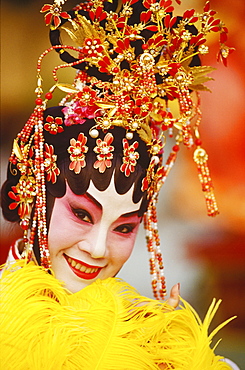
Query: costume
{"type": "Point", "coordinates": [134, 58]}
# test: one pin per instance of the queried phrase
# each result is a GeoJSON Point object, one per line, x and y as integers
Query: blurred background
{"type": "Point", "coordinates": [206, 256]}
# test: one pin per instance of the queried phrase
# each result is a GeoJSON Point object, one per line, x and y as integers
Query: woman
{"type": "Point", "coordinates": [82, 176]}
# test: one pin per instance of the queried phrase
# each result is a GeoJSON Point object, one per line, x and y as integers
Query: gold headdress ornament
{"type": "Point", "coordinates": [146, 80]}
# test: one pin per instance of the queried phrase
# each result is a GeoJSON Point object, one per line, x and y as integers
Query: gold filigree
{"type": "Point", "coordinates": [83, 29]}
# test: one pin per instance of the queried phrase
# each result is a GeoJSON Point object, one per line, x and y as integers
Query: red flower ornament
{"type": "Point", "coordinates": [104, 150]}
{"type": "Point", "coordinates": [124, 49]}
{"type": "Point", "coordinates": [143, 106]}
{"type": "Point", "coordinates": [53, 125]}
{"type": "Point", "coordinates": [154, 44]}
{"type": "Point", "coordinates": [105, 65]}
{"type": "Point", "coordinates": [223, 54]}
{"type": "Point", "coordinates": [130, 157]}
{"type": "Point", "coordinates": [125, 104]}
{"type": "Point", "coordinates": [154, 6]}
{"type": "Point", "coordinates": [92, 47]}
{"type": "Point", "coordinates": [23, 195]}
{"type": "Point", "coordinates": [77, 151]}
{"type": "Point", "coordinates": [54, 14]}
{"type": "Point", "coordinates": [98, 15]}
{"type": "Point", "coordinates": [50, 164]}
{"type": "Point", "coordinates": [87, 96]}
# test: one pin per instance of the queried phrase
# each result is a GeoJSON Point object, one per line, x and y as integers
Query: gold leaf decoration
{"type": "Point", "coordinates": [157, 117]}
{"type": "Point", "coordinates": [73, 34]}
{"type": "Point", "coordinates": [112, 112]}
{"type": "Point", "coordinates": [202, 70]}
{"type": "Point", "coordinates": [199, 75]}
{"type": "Point", "coordinates": [145, 133]}
{"type": "Point", "coordinates": [67, 88]}
{"type": "Point", "coordinates": [26, 148]}
{"type": "Point", "coordinates": [200, 87]}
{"type": "Point", "coordinates": [17, 151]}
{"type": "Point", "coordinates": [83, 30]}
{"type": "Point", "coordinates": [118, 122]}
{"type": "Point", "coordinates": [105, 105]}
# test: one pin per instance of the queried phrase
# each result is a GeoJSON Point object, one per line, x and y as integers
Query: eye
{"type": "Point", "coordinates": [125, 228]}
{"type": "Point", "coordinates": [82, 215]}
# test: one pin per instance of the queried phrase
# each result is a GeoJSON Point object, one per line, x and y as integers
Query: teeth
{"type": "Point", "coordinates": [83, 268]}
{"type": "Point", "coordinates": [78, 266]}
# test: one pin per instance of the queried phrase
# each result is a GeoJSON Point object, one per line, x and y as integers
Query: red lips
{"type": "Point", "coordinates": [83, 274]}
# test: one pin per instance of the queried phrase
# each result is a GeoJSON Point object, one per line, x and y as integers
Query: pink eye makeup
{"type": "Point", "coordinates": [82, 215]}
{"type": "Point", "coordinates": [125, 229]}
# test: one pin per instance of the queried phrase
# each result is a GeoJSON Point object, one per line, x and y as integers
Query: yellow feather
{"type": "Point", "coordinates": [105, 326]}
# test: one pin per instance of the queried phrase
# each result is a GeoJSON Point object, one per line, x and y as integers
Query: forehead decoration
{"type": "Point", "coordinates": [138, 68]}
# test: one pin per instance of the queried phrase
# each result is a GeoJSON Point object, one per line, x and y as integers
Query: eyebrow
{"type": "Point", "coordinates": [93, 200]}
{"type": "Point", "coordinates": [125, 215]}
{"type": "Point", "coordinates": [130, 214]}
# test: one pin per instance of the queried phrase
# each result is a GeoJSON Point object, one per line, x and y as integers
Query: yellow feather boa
{"type": "Point", "coordinates": [105, 326]}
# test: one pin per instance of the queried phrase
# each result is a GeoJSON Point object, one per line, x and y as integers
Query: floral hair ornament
{"type": "Point", "coordinates": [54, 13]}
{"type": "Point", "coordinates": [130, 157]}
{"type": "Point", "coordinates": [77, 151]}
{"type": "Point", "coordinates": [138, 67]}
{"type": "Point", "coordinates": [104, 151]}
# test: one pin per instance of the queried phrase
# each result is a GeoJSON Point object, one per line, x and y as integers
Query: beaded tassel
{"type": "Point", "coordinates": [186, 105]}
{"type": "Point", "coordinates": [152, 235]}
{"type": "Point", "coordinates": [168, 165]}
{"type": "Point", "coordinates": [201, 158]}
{"type": "Point", "coordinates": [41, 191]}
{"type": "Point", "coordinates": [153, 246]}
{"type": "Point", "coordinates": [39, 223]}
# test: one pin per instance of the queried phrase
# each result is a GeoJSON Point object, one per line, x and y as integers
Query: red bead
{"type": "Point", "coordinates": [49, 96]}
{"type": "Point", "coordinates": [175, 148]}
{"type": "Point", "coordinates": [24, 225]}
{"type": "Point", "coordinates": [115, 70]}
{"type": "Point", "coordinates": [144, 46]}
{"type": "Point", "coordinates": [198, 142]}
{"type": "Point", "coordinates": [39, 101]}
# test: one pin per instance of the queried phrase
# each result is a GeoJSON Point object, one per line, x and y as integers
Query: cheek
{"type": "Point", "coordinates": [60, 229]}
{"type": "Point", "coordinates": [129, 248]}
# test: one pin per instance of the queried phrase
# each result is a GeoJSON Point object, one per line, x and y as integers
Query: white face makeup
{"type": "Point", "coordinates": [91, 236]}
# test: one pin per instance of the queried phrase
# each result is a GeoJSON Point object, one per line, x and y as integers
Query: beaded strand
{"type": "Point", "coordinates": [155, 255]}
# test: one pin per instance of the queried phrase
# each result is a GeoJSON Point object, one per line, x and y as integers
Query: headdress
{"type": "Point", "coordinates": [138, 68]}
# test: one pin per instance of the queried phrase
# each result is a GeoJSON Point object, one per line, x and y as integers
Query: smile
{"type": "Point", "coordinates": [81, 269]}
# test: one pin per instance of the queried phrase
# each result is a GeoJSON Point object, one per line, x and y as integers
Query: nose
{"type": "Point", "coordinates": [96, 242]}
{"type": "Point", "coordinates": [99, 242]}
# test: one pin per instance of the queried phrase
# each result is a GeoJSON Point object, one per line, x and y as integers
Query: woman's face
{"type": "Point", "coordinates": [91, 236]}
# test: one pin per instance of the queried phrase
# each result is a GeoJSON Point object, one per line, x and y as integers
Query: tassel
{"type": "Point", "coordinates": [153, 247]}
{"type": "Point", "coordinates": [201, 158]}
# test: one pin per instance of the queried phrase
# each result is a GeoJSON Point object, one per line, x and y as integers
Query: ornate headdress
{"type": "Point", "coordinates": [138, 68]}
